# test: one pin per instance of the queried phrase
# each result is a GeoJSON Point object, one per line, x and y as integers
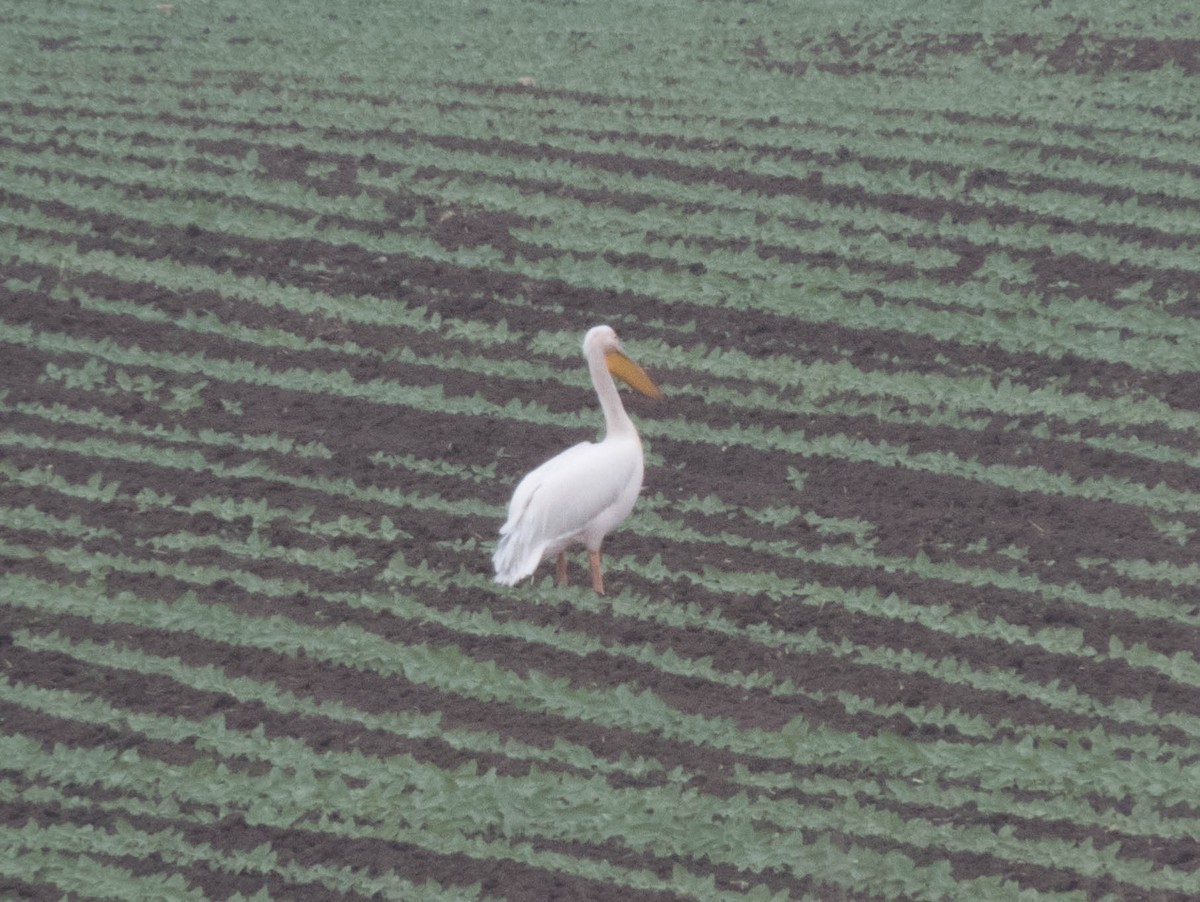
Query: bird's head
{"type": "Point", "coordinates": [603, 340]}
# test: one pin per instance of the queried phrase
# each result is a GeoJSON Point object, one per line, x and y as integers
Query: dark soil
{"type": "Point", "coordinates": [910, 512]}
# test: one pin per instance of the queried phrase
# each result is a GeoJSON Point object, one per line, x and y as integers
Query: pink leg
{"type": "Point", "coordinates": [561, 570]}
{"type": "Point", "coordinates": [597, 577]}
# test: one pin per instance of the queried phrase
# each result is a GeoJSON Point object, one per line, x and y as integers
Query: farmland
{"type": "Point", "coordinates": [290, 299]}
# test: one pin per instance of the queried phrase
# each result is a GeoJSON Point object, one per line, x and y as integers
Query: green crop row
{"type": "Point", "coordinates": [208, 678]}
{"type": "Point", "coordinates": [31, 857]}
{"type": "Point", "coordinates": [402, 724]}
{"type": "Point", "coordinates": [448, 669]}
{"type": "Point", "coordinates": [283, 799]}
{"type": "Point", "coordinates": [648, 522]}
{"type": "Point", "coordinates": [516, 121]}
{"type": "Point", "coordinates": [52, 847]}
{"type": "Point", "coordinates": [235, 212]}
{"type": "Point", "coordinates": [186, 278]}
{"type": "Point", "coordinates": [93, 564]}
{"type": "Point", "coordinates": [600, 813]}
{"type": "Point", "coordinates": [990, 92]}
{"type": "Point", "coordinates": [829, 399]}
{"type": "Point", "coordinates": [255, 547]}
{"type": "Point", "coordinates": [30, 518]}
{"type": "Point", "coordinates": [1022, 478]}
{"type": "Point", "coordinates": [176, 459]}
{"type": "Point", "coordinates": [628, 604]}
{"type": "Point", "coordinates": [903, 226]}
{"type": "Point", "coordinates": [412, 464]}
{"type": "Point", "coordinates": [1160, 571]}
{"type": "Point", "coordinates": [715, 828]}
{"type": "Point", "coordinates": [223, 507]}
{"type": "Point", "coordinates": [818, 380]}
{"type": "Point", "coordinates": [105, 165]}
{"type": "Point", "coordinates": [93, 418]}
{"type": "Point", "coordinates": [948, 669]}
{"type": "Point", "coordinates": [1164, 350]}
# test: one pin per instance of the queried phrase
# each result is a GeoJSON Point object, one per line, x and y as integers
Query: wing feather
{"type": "Point", "coordinates": [557, 502]}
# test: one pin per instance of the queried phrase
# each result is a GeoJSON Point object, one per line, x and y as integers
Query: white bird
{"type": "Point", "coordinates": [581, 494]}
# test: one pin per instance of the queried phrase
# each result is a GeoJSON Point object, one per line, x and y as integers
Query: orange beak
{"type": "Point", "coordinates": [631, 374]}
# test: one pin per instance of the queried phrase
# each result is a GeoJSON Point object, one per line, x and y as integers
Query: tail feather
{"type": "Point", "coordinates": [515, 558]}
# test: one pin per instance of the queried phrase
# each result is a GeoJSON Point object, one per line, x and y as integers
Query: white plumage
{"type": "Point", "coordinates": [580, 495]}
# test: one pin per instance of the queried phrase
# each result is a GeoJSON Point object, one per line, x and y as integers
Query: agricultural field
{"type": "Point", "coordinates": [291, 296]}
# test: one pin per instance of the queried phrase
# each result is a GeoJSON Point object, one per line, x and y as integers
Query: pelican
{"type": "Point", "coordinates": [581, 494]}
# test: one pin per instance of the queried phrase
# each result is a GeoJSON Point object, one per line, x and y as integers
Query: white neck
{"type": "Point", "coordinates": [616, 420]}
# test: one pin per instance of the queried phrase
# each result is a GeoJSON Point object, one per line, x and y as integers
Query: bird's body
{"type": "Point", "coordinates": [580, 495]}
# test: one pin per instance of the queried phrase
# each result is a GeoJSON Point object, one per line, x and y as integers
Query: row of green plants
{"type": "Point", "coordinates": [830, 295]}
{"type": "Point", "coordinates": [838, 389]}
{"type": "Point", "coordinates": [112, 381]}
{"type": "Point", "coordinates": [571, 217]}
{"type": "Point", "coordinates": [38, 859]}
{"type": "Point", "coordinates": [78, 860]}
{"type": "Point", "coordinates": [434, 809]}
{"type": "Point", "coordinates": [442, 109]}
{"type": "Point", "coordinates": [1143, 820]}
{"type": "Point", "coordinates": [603, 807]}
{"type": "Point", "coordinates": [195, 462]}
{"type": "Point", "coordinates": [655, 519]}
{"type": "Point", "coordinates": [950, 669]}
{"type": "Point", "coordinates": [81, 707]}
{"type": "Point", "coordinates": [810, 593]}
{"type": "Point", "coordinates": [415, 156]}
{"type": "Point", "coordinates": [82, 561]}
{"type": "Point", "coordinates": [820, 382]}
{"type": "Point", "coordinates": [854, 555]}
{"type": "Point", "coordinates": [1159, 497]}
{"type": "Point", "coordinates": [1170, 346]}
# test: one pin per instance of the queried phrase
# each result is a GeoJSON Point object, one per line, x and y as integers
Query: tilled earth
{"type": "Point", "coordinates": [113, 377]}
